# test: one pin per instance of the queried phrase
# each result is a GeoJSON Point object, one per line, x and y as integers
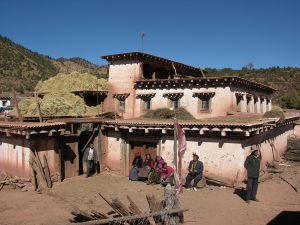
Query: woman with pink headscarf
{"type": "Point", "coordinates": [155, 175]}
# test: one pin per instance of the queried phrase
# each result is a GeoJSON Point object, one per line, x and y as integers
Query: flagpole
{"type": "Point", "coordinates": [142, 40]}
{"type": "Point", "coordinates": [175, 145]}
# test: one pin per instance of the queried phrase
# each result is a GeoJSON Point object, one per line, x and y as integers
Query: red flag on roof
{"type": "Point", "coordinates": [142, 35]}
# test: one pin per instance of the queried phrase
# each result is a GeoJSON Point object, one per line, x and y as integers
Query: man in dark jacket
{"type": "Point", "coordinates": [195, 172]}
{"type": "Point", "coordinates": [90, 158]}
{"type": "Point", "coordinates": [252, 165]}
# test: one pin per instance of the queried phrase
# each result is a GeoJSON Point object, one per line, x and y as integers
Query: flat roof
{"type": "Point", "coordinates": [147, 58]}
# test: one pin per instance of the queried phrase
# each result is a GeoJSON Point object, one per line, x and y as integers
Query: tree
{"type": "Point", "coordinates": [249, 66]}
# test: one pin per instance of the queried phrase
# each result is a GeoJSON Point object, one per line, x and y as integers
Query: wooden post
{"type": "Point", "coordinates": [175, 145]}
{"type": "Point", "coordinates": [17, 105]}
{"type": "Point", "coordinates": [38, 106]}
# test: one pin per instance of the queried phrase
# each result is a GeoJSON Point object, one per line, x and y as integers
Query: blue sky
{"type": "Point", "coordinates": [200, 33]}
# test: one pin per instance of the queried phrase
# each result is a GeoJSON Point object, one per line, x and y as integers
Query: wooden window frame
{"type": "Point", "coordinates": [143, 102]}
{"type": "Point", "coordinates": [200, 105]}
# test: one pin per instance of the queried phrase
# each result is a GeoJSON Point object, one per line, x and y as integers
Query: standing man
{"type": "Point", "coordinates": [252, 165]}
{"type": "Point", "coordinates": [195, 173]}
{"type": "Point", "coordinates": [90, 158]}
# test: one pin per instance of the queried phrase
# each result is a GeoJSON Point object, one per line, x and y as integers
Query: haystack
{"type": "Point", "coordinates": [74, 81]}
{"type": "Point", "coordinates": [62, 104]}
{"type": "Point", "coordinates": [59, 99]}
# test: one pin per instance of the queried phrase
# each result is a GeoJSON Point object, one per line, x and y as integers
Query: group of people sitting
{"type": "Point", "coordinates": [159, 172]}
{"type": "Point", "coordinates": [151, 171]}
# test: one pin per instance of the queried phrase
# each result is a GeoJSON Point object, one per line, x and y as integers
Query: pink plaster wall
{"type": "Point", "coordinates": [297, 131]}
{"type": "Point", "coordinates": [112, 157]}
{"type": "Point", "coordinates": [223, 158]}
{"type": "Point", "coordinates": [121, 80]}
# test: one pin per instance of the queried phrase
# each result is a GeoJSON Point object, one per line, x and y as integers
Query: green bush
{"type": "Point", "coordinates": [165, 113]}
{"type": "Point", "coordinates": [276, 112]}
{"type": "Point", "coordinates": [291, 100]}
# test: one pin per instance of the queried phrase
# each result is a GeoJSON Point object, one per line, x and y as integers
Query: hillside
{"type": "Point", "coordinates": [285, 80]}
{"type": "Point", "coordinates": [22, 69]}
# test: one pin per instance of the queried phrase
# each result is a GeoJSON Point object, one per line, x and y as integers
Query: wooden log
{"type": "Point", "coordinates": [99, 215]}
{"type": "Point", "coordinates": [217, 182]}
{"type": "Point", "coordinates": [38, 106]}
{"type": "Point", "coordinates": [42, 184]}
{"type": "Point", "coordinates": [130, 219]}
{"type": "Point", "coordinates": [14, 180]}
{"type": "Point", "coordinates": [20, 185]}
{"type": "Point", "coordinates": [81, 216]}
{"type": "Point", "coordinates": [2, 184]}
{"type": "Point", "coordinates": [41, 169]}
{"type": "Point", "coordinates": [285, 180]}
{"type": "Point", "coordinates": [133, 207]}
{"type": "Point", "coordinates": [120, 207]}
{"type": "Point", "coordinates": [17, 105]}
{"type": "Point", "coordinates": [47, 172]}
{"type": "Point", "coordinates": [113, 207]}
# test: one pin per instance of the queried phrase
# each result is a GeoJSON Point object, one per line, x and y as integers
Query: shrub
{"type": "Point", "coordinates": [165, 113]}
{"type": "Point", "coordinates": [276, 112]}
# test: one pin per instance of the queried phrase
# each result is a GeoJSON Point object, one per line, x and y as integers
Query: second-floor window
{"type": "Point", "coordinates": [204, 101]}
{"type": "Point", "coordinates": [205, 105]}
{"type": "Point", "coordinates": [121, 105]}
{"type": "Point", "coordinates": [175, 104]}
{"type": "Point", "coordinates": [120, 101]}
{"type": "Point", "coordinates": [173, 99]}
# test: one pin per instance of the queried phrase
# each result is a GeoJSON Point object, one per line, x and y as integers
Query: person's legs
{"type": "Point", "coordinates": [188, 181]}
{"type": "Point", "coordinates": [249, 188]}
{"type": "Point", "coordinates": [254, 189]}
{"type": "Point", "coordinates": [196, 181]}
{"type": "Point", "coordinates": [89, 167]}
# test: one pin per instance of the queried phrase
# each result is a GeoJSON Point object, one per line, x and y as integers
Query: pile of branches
{"type": "Point", "coordinates": [162, 212]}
{"type": "Point", "coordinates": [41, 174]}
{"type": "Point", "coordinates": [14, 182]}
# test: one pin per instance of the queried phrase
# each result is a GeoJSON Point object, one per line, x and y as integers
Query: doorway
{"type": "Point", "coordinates": [143, 147]}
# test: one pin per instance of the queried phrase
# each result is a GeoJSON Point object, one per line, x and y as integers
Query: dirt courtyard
{"type": "Point", "coordinates": [210, 205]}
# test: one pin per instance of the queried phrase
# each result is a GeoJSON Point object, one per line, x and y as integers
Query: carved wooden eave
{"type": "Point", "coordinates": [147, 58]}
{"type": "Point", "coordinates": [203, 82]}
{"type": "Point", "coordinates": [121, 97]}
{"type": "Point", "coordinates": [196, 128]}
{"type": "Point", "coordinates": [147, 96]}
{"type": "Point", "coordinates": [83, 93]}
{"type": "Point", "coordinates": [239, 95]}
{"type": "Point", "coordinates": [249, 96]}
{"type": "Point", "coordinates": [28, 129]}
{"type": "Point", "coordinates": [204, 95]}
{"type": "Point", "coordinates": [173, 96]}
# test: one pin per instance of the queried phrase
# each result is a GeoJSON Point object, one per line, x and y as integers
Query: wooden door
{"type": "Point", "coordinates": [144, 148]}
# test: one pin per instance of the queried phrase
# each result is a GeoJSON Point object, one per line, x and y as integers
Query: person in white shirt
{"type": "Point", "coordinates": [90, 158]}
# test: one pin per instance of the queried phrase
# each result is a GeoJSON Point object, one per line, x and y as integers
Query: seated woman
{"type": "Point", "coordinates": [167, 175]}
{"type": "Point", "coordinates": [148, 166]}
{"type": "Point", "coordinates": [155, 175]}
{"type": "Point", "coordinates": [137, 164]}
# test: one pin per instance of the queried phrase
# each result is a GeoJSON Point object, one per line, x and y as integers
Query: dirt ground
{"type": "Point", "coordinates": [210, 205]}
